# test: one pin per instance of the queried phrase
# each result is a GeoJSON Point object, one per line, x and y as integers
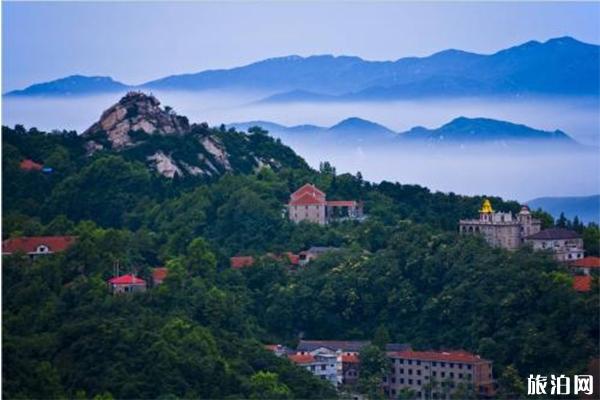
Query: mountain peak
{"type": "Point", "coordinates": [71, 85]}
{"type": "Point", "coordinates": [137, 111]}
{"type": "Point", "coordinates": [360, 126]}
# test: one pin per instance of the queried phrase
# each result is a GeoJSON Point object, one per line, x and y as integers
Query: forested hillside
{"type": "Point", "coordinates": [403, 273]}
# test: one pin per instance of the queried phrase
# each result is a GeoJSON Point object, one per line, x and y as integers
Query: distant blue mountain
{"type": "Point", "coordinates": [72, 86]}
{"type": "Point", "coordinates": [586, 208]}
{"type": "Point", "coordinates": [464, 130]}
{"type": "Point", "coordinates": [561, 66]}
{"type": "Point", "coordinates": [461, 131]}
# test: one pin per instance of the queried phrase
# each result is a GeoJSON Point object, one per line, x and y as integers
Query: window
{"type": "Point", "coordinates": [442, 364]}
{"type": "Point", "coordinates": [459, 366]}
{"type": "Point", "coordinates": [401, 361]}
{"type": "Point", "coordinates": [418, 372]}
{"type": "Point", "coordinates": [434, 373]}
{"type": "Point", "coordinates": [419, 382]}
{"type": "Point", "coordinates": [469, 376]}
{"type": "Point", "coordinates": [468, 366]}
{"type": "Point", "coordinates": [451, 374]}
{"type": "Point", "coordinates": [393, 379]}
{"type": "Point", "coordinates": [451, 365]}
{"type": "Point", "coordinates": [410, 381]}
{"type": "Point", "coordinates": [433, 364]}
{"type": "Point", "coordinates": [460, 376]}
{"type": "Point", "coordinates": [323, 367]}
{"type": "Point", "coordinates": [418, 362]}
{"type": "Point", "coordinates": [393, 392]}
{"type": "Point", "coordinates": [409, 362]}
{"type": "Point", "coordinates": [410, 371]}
{"type": "Point", "coordinates": [401, 370]}
{"type": "Point", "coordinates": [401, 380]}
{"type": "Point", "coordinates": [443, 374]}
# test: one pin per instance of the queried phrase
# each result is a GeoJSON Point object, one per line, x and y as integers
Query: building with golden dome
{"type": "Point", "coordinates": [501, 229]}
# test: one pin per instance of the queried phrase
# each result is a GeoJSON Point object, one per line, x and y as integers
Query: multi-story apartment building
{"type": "Point", "coordinates": [438, 374]}
{"type": "Point", "coordinates": [501, 229]}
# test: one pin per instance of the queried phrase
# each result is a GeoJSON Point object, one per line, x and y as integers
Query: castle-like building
{"type": "Point", "coordinates": [310, 204]}
{"type": "Point", "coordinates": [502, 229]}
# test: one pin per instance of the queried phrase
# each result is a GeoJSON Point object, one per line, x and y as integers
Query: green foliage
{"type": "Point", "coordinates": [404, 275]}
{"type": "Point", "coordinates": [374, 365]}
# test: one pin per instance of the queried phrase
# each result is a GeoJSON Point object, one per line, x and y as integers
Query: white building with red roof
{"type": "Point", "coordinates": [310, 204]}
{"type": "Point", "coordinates": [127, 284]}
{"type": "Point", "coordinates": [35, 246]}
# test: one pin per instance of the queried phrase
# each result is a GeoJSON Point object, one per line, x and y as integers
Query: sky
{"type": "Point", "coordinates": [136, 42]}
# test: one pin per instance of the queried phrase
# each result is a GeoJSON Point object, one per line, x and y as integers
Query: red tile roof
{"type": "Point", "coordinates": [582, 283]}
{"type": "Point", "coordinates": [159, 274]}
{"type": "Point", "coordinates": [294, 258]}
{"type": "Point", "coordinates": [128, 279]}
{"type": "Point", "coordinates": [30, 165]}
{"type": "Point", "coordinates": [31, 244]}
{"type": "Point", "coordinates": [238, 262]}
{"type": "Point", "coordinates": [350, 358]}
{"type": "Point", "coordinates": [307, 199]}
{"type": "Point", "coordinates": [450, 356]}
{"type": "Point", "coordinates": [301, 358]}
{"type": "Point", "coordinates": [587, 262]}
{"type": "Point", "coordinates": [308, 188]}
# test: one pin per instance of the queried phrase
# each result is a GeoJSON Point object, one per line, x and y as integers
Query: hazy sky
{"type": "Point", "coordinates": [136, 42]}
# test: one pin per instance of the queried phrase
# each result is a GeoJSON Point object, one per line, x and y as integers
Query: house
{"type": "Point", "coordinates": [35, 246]}
{"type": "Point", "coordinates": [310, 204]}
{"type": "Point", "coordinates": [239, 262]}
{"type": "Point", "coordinates": [501, 229]}
{"type": "Point", "coordinates": [126, 284]}
{"type": "Point", "coordinates": [586, 265]}
{"type": "Point", "coordinates": [304, 257]}
{"type": "Point", "coordinates": [158, 275]}
{"type": "Point", "coordinates": [567, 245]}
{"type": "Point", "coordinates": [30, 165]}
{"type": "Point", "coordinates": [350, 369]}
{"type": "Point", "coordinates": [323, 366]}
{"type": "Point", "coordinates": [433, 374]}
{"type": "Point", "coordinates": [346, 353]}
{"type": "Point", "coordinates": [279, 350]}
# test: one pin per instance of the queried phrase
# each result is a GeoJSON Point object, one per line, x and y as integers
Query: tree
{"type": "Point", "coordinates": [266, 385]}
{"type": "Point", "coordinates": [510, 384]}
{"type": "Point", "coordinates": [374, 366]}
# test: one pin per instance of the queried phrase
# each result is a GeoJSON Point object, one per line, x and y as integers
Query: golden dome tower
{"type": "Point", "coordinates": [486, 207]}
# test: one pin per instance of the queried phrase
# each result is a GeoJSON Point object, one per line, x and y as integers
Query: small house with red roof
{"type": "Point", "coordinates": [324, 366]}
{"type": "Point", "coordinates": [586, 265]}
{"type": "Point", "coordinates": [158, 275]}
{"type": "Point", "coordinates": [582, 283]}
{"type": "Point", "coordinates": [35, 246]}
{"type": "Point", "coordinates": [30, 165]}
{"type": "Point", "coordinates": [310, 204]}
{"type": "Point", "coordinates": [126, 284]}
{"type": "Point", "coordinates": [239, 262]}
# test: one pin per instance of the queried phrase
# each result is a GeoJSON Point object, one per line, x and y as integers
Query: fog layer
{"type": "Point", "coordinates": [519, 177]}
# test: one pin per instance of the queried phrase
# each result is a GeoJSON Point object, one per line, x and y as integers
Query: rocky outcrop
{"type": "Point", "coordinates": [217, 151]}
{"type": "Point", "coordinates": [137, 112]}
{"type": "Point", "coordinates": [165, 165]}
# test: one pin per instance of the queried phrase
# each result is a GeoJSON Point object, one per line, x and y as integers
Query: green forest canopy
{"type": "Point", "coordinates": [405, 271]}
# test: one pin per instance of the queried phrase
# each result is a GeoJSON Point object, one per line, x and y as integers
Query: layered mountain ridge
{"type": "Point", "coordinates": [559, 66]}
